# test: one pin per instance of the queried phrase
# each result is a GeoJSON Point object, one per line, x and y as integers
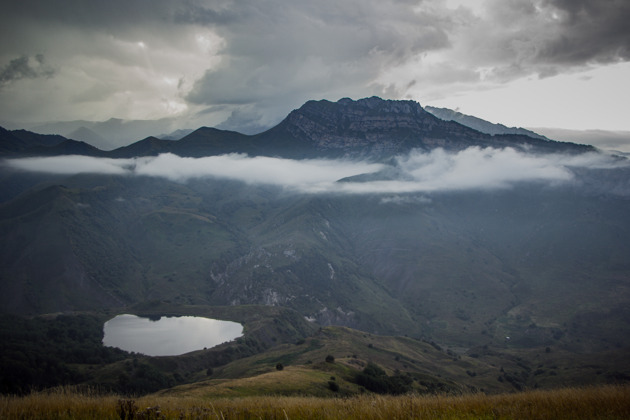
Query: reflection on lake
{"type": "Point", "coordinates": [168, 336]}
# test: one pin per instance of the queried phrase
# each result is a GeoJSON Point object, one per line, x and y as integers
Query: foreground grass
{"type": "Point", "coordinates": [605, 402]}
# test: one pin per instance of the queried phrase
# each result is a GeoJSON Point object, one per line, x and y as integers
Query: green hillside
{"type": "Point", "coordinates": [280, 353]}
{"type": "Point", "coordinates": [494, 285]}
{"type": "Point", "coordinates": [543, 267]}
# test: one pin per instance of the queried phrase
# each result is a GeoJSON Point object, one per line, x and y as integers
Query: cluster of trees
{"type": "Point", "coordinates": [141, 377]}
{"type": "Point", "coordinates": [374, 378]}
{"type": "Point", "coordinates": [38, 353]}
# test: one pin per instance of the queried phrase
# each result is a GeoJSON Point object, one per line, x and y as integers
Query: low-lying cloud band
{"type": "Point", "coordinates": [437, 170]}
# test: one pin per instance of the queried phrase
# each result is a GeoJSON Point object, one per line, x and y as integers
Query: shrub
{"type": "Point", "coordinates": [374, 379]}
{"type": "Point", "coordinates": [372, 369]}
{"type": "Point", "coordinates": [333, 386]}
{"type": "Point", "coordinates": [279, 366]}
{"type": "Point", "coordinates": [330, 359]}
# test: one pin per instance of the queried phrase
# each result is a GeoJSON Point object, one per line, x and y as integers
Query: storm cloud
{"type": "Point", "coordinates": [25, 67]}
{"type": "Point", "coordinates": [244, 65]}
{"type": "Point", "coordinates": [589, 31]}
{"type": "Point", "coordinates": [278, 54]}
{"type": "Point", "coordinates": [552, 36]}
{"type": "Point", "coordinates": [418, 172]}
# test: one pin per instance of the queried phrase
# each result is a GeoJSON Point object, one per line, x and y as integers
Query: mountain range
{"type": "Point", "coordinates": [109, 134]}
{"type": "Point", "coordinates": [445, 233]}
{"type": "Point", "coordinates": [479, 124]}
{"type": "Point", "coordinates": [367, 128]}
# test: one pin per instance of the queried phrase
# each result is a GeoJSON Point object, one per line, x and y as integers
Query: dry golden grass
{"type": "Point", "coordinates": [61, 403]}
{"type": "Point", "coordinates": [605, 402]}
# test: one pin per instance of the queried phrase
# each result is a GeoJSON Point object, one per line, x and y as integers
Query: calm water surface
{"type": "Point", "coordinates": [169, 336]}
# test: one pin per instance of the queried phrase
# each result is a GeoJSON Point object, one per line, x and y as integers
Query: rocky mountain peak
{"type": "Point", "coordinates": [379, 128]}
{"type": "Point", "coordinates": [365, 106]}
{"type": "Point", "coordinates": [366, 127]}
{"type": "Point", "coordinates": [384, 105]}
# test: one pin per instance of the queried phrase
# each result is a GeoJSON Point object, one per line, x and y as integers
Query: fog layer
{"type": "Point", "coordinates": [437, 170]}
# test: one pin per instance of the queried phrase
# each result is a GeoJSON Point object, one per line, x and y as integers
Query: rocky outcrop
{"type": "Point", "coordinates": [374, 127]}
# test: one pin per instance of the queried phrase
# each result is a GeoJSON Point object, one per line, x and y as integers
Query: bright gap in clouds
{"type": "Point", "coordinates": [579, 101]}
{"type": "Point", "coordinates": [437, 170]}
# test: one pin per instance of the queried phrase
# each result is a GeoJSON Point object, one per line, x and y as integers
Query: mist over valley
{"type": "Point", "coordinates": [369, 228]}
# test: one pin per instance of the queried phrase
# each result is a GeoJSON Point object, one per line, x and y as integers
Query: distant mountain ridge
{"type": "Point", "coordinates": [106, 135]}
{"type": "Point", "coordinates": [479, 124]}
{"type": "Point", "coordinates": [366, 128]}
{"type": "Point", "coordinates": [176, 135]}
{"type": "Point", "coordinates": [381, 128]}
{"type": "Point", "coordinates": [26, 143]}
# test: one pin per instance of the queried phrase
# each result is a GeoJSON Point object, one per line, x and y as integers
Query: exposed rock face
{"type": "Point", "coordinates": [379, 128]}
{"type": "Point", "coordinates": [367, 122]}
{"type": "Point", "coordinates": [370, 126]}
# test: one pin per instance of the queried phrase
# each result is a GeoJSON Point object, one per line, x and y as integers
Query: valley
{"type": "Point", "coordinates": [457, 261]}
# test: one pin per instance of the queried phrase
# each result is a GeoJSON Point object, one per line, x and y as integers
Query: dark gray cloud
{"type": "Point", "coordinates": [590, 31]}
{"type": "Point", "coordinates": [548, 37]}
{"type": "Point", "coordinates": [278, 54]}
{"type": "Point", "coordinates": [91, 15]}
{"type": "Point", "coordinates": [255, 60]}
{"type": "Point", "coordinates": [25, 67]}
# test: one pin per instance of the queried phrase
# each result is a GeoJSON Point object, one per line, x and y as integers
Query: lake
{"type": "Point", "coordinates": [168, 336]}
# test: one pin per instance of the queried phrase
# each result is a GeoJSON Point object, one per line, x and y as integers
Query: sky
{"type": "Point", "coordinates": [244, 65]}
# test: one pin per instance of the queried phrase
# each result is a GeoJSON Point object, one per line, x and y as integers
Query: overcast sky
{"type": "Point", "coordinates": [245, 64]}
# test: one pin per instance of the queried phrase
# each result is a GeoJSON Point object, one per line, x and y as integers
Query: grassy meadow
{"type": "Point", "coordinates": [602, 402]}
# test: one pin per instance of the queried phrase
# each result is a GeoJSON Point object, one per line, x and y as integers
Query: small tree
{"type": "Point", "coordinates": [279, 366]}
{"type": "Point", "coordinates": [330, 359]}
